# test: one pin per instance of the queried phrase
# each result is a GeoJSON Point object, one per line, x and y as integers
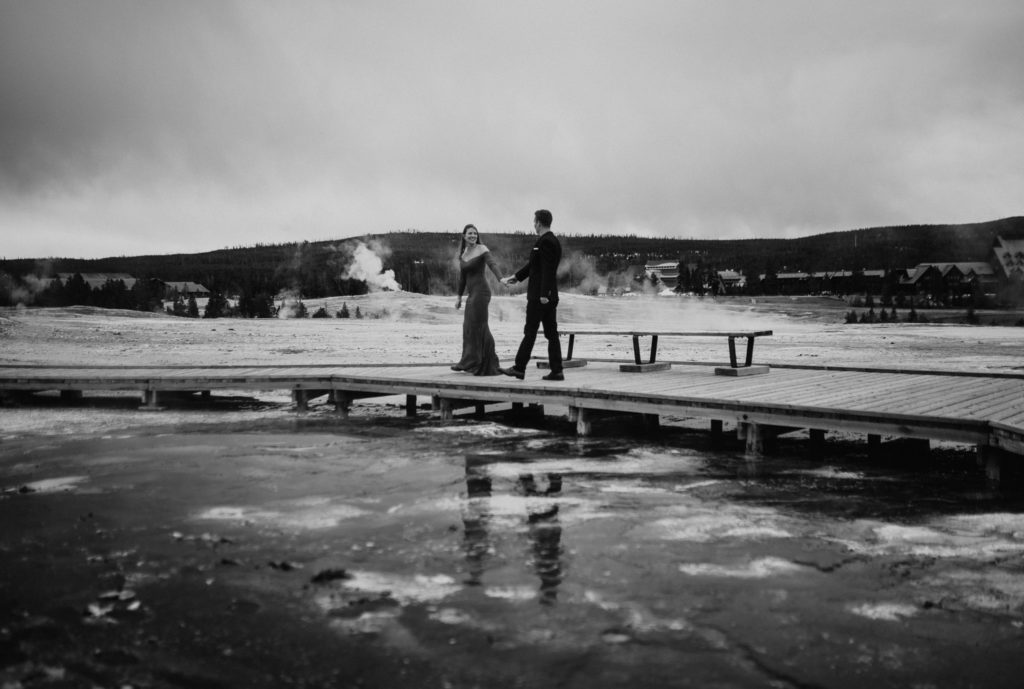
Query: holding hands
{"type": "Point", "coordinates": [510, 280]}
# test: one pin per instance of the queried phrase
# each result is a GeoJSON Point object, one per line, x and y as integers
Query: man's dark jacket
{"type": "Point", "coordinates": [542, 270]}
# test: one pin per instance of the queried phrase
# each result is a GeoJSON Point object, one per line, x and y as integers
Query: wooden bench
{"type": "Point", "coordinates": [652, 364]}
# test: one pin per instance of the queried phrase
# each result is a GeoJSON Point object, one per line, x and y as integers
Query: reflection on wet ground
{"type": "Point", "coordinates": [406, 553]}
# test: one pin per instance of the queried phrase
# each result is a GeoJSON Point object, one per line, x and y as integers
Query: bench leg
{"type": "Point", "coordinates": [572, 341]}
{"type": "Point", "coordinates": [654, 347]}
{"type": "Point", "coordinates": [410, 405]}
{"type": "Point", "coordinates": [750, 350]}
{"type": "Point", "coordinates": [732, 351]}
{"type": "Point", "coordinates": [636, 350]}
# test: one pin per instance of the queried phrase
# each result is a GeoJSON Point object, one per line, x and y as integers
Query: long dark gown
{"type": "Point", "coordinates": [478, 355]}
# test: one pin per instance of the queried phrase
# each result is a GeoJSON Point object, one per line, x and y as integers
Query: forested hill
{"type": "Point", "coordinates": [422, 261]}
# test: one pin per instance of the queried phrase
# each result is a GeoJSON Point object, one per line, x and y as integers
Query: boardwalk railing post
{"type": "Point", "coordinates": [574, 413]}
{"type": "Point", "coordinates": [301, 400]}
{"type": "Point", "coordinates": [410, 405]}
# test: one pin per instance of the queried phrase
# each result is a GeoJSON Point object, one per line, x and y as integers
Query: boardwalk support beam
{"type": "Point", "coordinates": [996, 463]}
{"type": "Point", "coordinates": [342, 402]}
{"type": "Point", "coordinates": [150, 401]}
{"type": "Point", "coordinates": [584, 421]}
{"type": "Point", "coordinates": [754, 436]}
{"type": "Point", "coordinates": [448, 405]}
{"type": "Point", "coordinates": [760, 438]}
{"type": "Point", "coordinates": [817, 436]}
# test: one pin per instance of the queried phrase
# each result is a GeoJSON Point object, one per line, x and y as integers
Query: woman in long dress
{"type": "Point", "coordinates": [478, 355]}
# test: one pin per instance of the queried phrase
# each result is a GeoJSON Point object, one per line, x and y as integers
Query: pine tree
{"type": "Point", "coordinates": [179, 309]}
{"type": "Point", "coordinates": [216, 306]}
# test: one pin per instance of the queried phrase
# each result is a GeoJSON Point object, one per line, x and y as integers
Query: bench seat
{"type": "Point", "coordinates": [652, 363]}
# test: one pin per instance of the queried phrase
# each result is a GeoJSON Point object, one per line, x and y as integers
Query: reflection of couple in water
{"type": "Point", "coordinates": [478, 351]}
{"type": "Point", "coordinates": [543, 528]}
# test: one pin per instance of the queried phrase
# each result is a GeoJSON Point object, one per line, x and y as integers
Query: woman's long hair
{"type": "Point", "coordinates": [462, 247]}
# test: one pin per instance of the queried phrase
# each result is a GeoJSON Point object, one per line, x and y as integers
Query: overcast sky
{"type": "Point", "coordinates": [133, 127]}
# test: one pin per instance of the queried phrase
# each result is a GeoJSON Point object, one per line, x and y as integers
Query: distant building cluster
{"type": "Point", "coordinates": [172, 289]}
{"type": "Point", "coordinates": [105, 290]}
{"type": "Point", "coordinates": [949, 282]}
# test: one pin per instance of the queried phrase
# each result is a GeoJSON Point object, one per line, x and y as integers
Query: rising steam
{"type": "Point", "coordinates": [367, 265]}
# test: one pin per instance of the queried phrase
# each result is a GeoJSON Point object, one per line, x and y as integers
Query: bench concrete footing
{"type": "Point", "coordinates": [571, 363]}
{"type": "Point", "coordinates": [645, 368]}
{"type": "Point", "coordinates": [741, 370]}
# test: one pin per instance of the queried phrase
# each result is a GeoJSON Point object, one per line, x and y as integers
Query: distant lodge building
{"type": "Point", "coordinates": [945, 282]}
{"type": "Point", "coordinates": [172, 290]}
{"type": "Point", "coordinates": [184, 289]}
{"type": "Point", "coordinates": [98, 280]}
{"type": "Point", "coordinates": [1009, 258]}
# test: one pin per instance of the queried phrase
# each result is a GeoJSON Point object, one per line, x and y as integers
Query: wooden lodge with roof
{"type": "Point", "coordinates": [945, 282]}
{"type": "Point", "coordinates": [172, 289]}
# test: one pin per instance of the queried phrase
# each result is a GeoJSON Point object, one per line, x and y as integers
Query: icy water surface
{"type": "Point", "coordinates": [410, 553]}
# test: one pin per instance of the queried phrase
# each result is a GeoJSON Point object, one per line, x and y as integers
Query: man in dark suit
{"type": "Point", "coordinates": [541, 299]}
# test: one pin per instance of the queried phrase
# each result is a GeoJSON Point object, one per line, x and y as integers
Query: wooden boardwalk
{"type": "Point", "coordinates": [985, 410]}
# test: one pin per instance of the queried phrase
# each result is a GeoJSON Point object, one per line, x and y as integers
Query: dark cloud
{"type": "Point", "coordinates": [153, 126]}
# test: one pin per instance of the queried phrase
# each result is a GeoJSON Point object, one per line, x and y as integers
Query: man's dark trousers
{"type": "Point", "coordinates": [538, 315]}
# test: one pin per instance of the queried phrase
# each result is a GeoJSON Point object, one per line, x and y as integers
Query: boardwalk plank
{"type": "Point", "coordinates": [927, 395]}
{"type": "Point", "coordinates": [864, 388]}
{"type": "Point", "coordinates": [954, 399]}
